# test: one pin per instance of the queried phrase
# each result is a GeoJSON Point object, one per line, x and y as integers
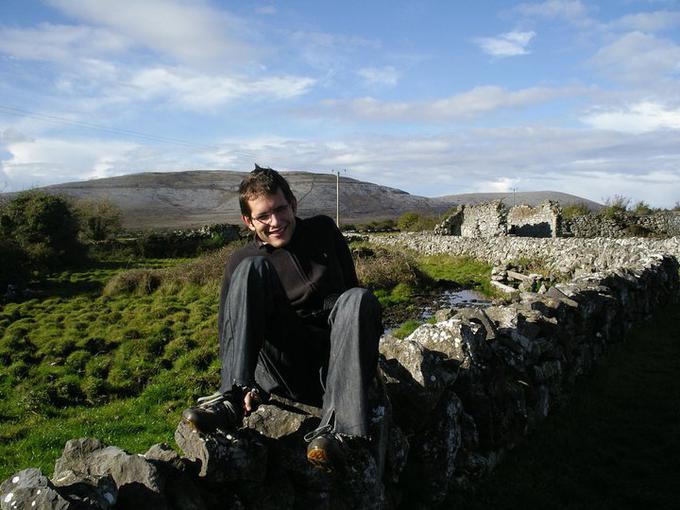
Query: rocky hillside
{"type": "Point", "coordinates": [201, 197]}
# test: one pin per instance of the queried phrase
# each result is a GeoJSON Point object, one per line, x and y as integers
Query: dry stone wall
{"type": "Point", "coordinates": [665, 223]}
{"type": "Point", "coordinates": [544, 220]}
{"type": "Point", "coordinates": [484, 220]}
{"type": "Point", "coordinates": [452, 398]}
{"type": "Point", "coordinates": [565, 256]}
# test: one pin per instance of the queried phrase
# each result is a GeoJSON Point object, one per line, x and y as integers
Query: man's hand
{"type": "Point", "coordinates": [251, 401]}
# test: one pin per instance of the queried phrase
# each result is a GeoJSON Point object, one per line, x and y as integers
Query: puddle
{"type": "Point", "coordinates": [454, 299]}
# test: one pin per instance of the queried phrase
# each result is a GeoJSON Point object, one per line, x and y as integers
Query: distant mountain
{"type": "Point", "coordinates": [201, 197]}
{"type": "Point", "coordinates": [520, 197]}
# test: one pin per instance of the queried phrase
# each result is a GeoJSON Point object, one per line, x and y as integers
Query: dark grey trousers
{"type": "Point", "coordinates": [327, 360]}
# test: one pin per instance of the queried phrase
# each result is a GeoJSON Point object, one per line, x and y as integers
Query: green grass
{"type": "Point", "coordinates": [120, 367]}
{"type": "Point", "coordinates": [615, 445]}
{"type": "Point", "coordinates": [118, 348]}
{"type": "Point", "coordinates": [463, 271]}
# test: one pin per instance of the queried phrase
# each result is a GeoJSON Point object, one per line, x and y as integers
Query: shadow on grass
{"type": "Point", "coordinates": [616, 444]}
{"type": "Point", "coordinates": [86, 279]}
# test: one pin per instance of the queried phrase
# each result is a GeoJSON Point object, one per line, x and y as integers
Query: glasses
{"type": "Point", "coordinates": [266, 217]}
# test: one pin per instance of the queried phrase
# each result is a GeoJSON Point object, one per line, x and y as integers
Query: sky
{"type": "Point", "coordinates": [431, 97]}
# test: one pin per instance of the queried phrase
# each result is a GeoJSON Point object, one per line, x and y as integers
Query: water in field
{"type": "Point", "coordinates": [453, 299]}
{"type": "Point", "coordinates": [423, 306]}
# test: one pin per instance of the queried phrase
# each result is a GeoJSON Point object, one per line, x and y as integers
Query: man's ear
{"type": "Point", "coordinates": [248, 222]}
{"type": "Point", "coordinates": [293, 205]}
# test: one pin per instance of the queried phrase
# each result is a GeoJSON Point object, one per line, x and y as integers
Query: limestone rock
{"type": "Point", "coordinates": [136, 478]}
{"type": "Point", "coordinates": [432, 460]}
{"type": "Point", "coordinates": [224, 457]}
{"type": "Point", "coordinates": [31, 489]}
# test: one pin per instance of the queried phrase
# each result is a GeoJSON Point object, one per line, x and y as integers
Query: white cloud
{"type": "Point", "coordinates": [325, 51]}
{"type": "Point", "coordinates": [638, 58]}
{"type": "Point", "coordinates": [195, 91]}
{"type": "Point", "coordinates": [636, 118]}
{"type": "Point", "coordinates": [59, 43]}
{"type": "Point", "coordinates": [51, 160]}
{"type": "Point", "coordinates": [474, 102]}
{"type": "Point", "coordinates": [384, 76]}
{"type": "Point", "coordinates": [12, 135]}
{"type": "Point", "coordinates": [648, 21]}
{"type": "Point", "coordinates": [509, 44]}
{"type": "Point", "coordinates": [589, 163]}
{"type": "Point", "coordinates": [572, 11]}
{"type": "Point", "coordinates": [499, 185]}
{"type": "Point", "coordinates": [190, 32]}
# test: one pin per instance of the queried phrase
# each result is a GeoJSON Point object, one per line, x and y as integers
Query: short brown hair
{"type": "Point", "coordinates": [262, 181]}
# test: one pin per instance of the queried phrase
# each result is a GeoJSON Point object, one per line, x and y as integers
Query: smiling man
{"type": "Point", "coordinates": [293, 322]}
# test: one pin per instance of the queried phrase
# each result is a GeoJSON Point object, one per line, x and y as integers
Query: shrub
{"type": "Point", "coordinates": [415, 222]}
{"type": "Point", "coordinates": [642, 208]}
{"type": "Point", "coordinates": [615, 206]}
{"type": "Point", "coordinates": [386, 269]}
{"type": "Point", "coordinates": [45, 227]}
{"type": "Point", "coordinates": [575, 210]}
{"type": "Point", "coordinates": [137, 281]}
{"type": "Point", "coordinates": [99, 219]}
{"type": "Point", "coordinates": [15, 265]}
{"type": "Point", "coordinates": [207, 269]}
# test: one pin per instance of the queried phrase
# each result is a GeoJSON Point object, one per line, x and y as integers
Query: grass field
{"type": "Point", "coordinates": [120, 366]}
{"type": "Point", "coordinates": [615, 445]}
{"type": "Point", "coordinates": [116, 350]}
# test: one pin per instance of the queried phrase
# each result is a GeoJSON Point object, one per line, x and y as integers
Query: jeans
{"type": "Point", "coordinates": [327, 359]}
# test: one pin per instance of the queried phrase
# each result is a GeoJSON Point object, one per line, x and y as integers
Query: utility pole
{"type": "Point", "coordinates": [337, 196]}
{"type": "Point", "coordinates": [514, 190]}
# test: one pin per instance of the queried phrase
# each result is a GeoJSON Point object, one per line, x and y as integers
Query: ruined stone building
{"type": "Point", "coordinates": [494, 219]}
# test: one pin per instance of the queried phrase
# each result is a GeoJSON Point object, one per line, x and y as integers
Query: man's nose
{"type": "Point", "coordinates": [275, 218]}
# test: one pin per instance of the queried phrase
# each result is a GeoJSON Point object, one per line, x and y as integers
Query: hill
{"type": "Point", "coordinates": [194, 198]}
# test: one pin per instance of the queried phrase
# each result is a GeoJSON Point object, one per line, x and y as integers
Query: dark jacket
{"type": "Point", "coordinates": [314, 267]}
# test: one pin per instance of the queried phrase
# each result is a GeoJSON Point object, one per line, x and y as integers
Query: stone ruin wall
{"type": "Point", "coordinates": [544, 220]}
{"type": "Point", "coordinates": [666, 223]}
{"type": "Point", "coordinates": [484, 220]}
{"type": "Point", "coordinates": [494, 219]}
{"type": "Point", "coordinates": [462, 392]}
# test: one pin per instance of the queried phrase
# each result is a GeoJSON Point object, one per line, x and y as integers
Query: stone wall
{"type": "Point", "coordinates": [544, 220]}
{"type": "Point", "coordinates": [484, 220]}
{"type": "Point", "coordinates": [493, 219]}
{"type": "Point", "coordinates": [665, 223]}
{"type": "Point", "coordinates": [452, 398]}
{"type": "Point", "coordinates": [566, 256]}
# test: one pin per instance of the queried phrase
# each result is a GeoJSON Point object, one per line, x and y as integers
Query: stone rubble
{"type": "Point", "coordinates": [452, 398]}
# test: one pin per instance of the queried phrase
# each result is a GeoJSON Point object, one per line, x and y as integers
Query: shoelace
{"type": "Point", "coordinates": [210, 398]}
{"type": "Point", "coordinates": [326, 429]}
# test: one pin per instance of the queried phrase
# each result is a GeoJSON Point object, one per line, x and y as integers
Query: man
{"type": "Point", "coordinates": [293, 321]}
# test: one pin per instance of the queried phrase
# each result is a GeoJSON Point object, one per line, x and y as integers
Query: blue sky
{"type": "Point", "coordinates": [433, 97]}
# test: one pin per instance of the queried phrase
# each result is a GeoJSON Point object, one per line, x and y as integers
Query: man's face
{"type": "Point", "coordinates": [272, 219]}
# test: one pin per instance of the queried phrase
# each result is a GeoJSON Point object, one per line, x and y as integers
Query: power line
{"type": "Point", "coordinates": [126, 132]}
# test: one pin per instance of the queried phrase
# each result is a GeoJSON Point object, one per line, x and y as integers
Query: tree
{"type": "Point", "coordinates": [99, 218]}
{"type": "Point", "coordinates": [45, 227]}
